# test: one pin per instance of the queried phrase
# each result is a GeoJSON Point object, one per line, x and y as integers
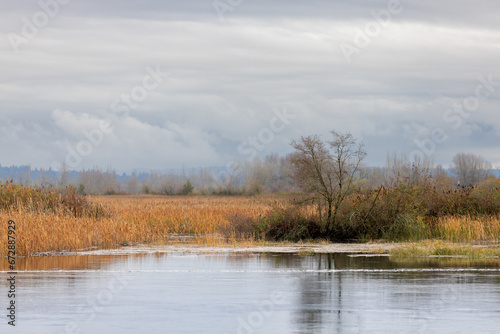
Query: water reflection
{"type": "Point", "coordinates": [404, 301]}
{"type": "Point", "coordinates": [224, 293]}
{"type": "Point", "coordinates": [59, 262]}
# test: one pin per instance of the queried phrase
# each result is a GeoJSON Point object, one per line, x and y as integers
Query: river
{"type": "Point", "coordinates": [251, 293]}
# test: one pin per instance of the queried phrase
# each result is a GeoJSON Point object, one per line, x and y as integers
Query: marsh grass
{"type": "Point", "coordinates": [51, 221]}
{"type": "Point", "coordinates": [447, 262]}
{"type": "Point", "coordinates": [468, 229]}
{"type": "Point", "coordinates": [47, 232]}
{"type": "Point", "coordinates": [39, 200]}
{"type": "Point", "coordinates": [442, 248]}
{"type": "Point", "coordinates": [44, 225]}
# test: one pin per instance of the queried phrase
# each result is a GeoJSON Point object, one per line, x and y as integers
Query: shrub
{"type": "Point", "coordinates": [290, 224]}
{"type": "Point", "coordinates": [187, 188]}
{"type": "Point", "coordinates": [239, 226]}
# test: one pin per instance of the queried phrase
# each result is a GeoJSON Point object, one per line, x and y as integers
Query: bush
{"type": "Point", "coordinates": [406, 211]}
{"type": "Point", "coordinates": [239, 226]}
{"type": "Point", "coordinates": [406, 227]}
{"type": "Point", "coordinates": [187, 188]}
{"type": "Point", "coordinates": [487, 197]}
{"type": "Point", "coordinates": [289, 224]}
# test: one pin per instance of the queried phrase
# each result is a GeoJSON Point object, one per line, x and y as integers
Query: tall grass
{"type": "Point", "coordinates": [18, 198]}
{"type": "Point", "coordinates": [51, 221]}
{"type": "Point", "coordinates": [466, 228]}
{"type": "Point", "coordinates": [196, 215]}
{"type": "Point", "coordinates": [43, 232]}
{"type": "Point", "coordinates": [442, 248]}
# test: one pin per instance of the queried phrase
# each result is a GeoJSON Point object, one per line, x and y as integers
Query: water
{"type": "Point", "coordinates": [252, 293]}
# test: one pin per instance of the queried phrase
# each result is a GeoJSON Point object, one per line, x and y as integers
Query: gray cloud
{"type": "Point", "coordinates": [226, 78]}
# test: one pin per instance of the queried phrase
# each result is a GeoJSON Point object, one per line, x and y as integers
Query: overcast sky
{"type": "Point", "coordinates": [245, 77]}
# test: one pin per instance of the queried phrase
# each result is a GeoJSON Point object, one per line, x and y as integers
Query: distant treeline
{"type": "Point", "coordinates": [269, 175]}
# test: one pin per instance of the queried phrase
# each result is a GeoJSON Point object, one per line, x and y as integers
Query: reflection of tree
{"type": "Point", "coordinates": [321, 299]}
{"type": "Point", "coordinates": [325, 300]}
{"type": "Point", "coordinates": [340, 301]}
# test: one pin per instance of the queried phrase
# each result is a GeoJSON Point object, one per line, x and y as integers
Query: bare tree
{"type": "Point", "coordinates": [327, 169]}
{"type": "Point", "coordinates": [469, 169]}
{"type": "Point", "coordinates": [412, 170]}
{"type": "Point", "coordinates": [133, 183]}
{"type": "Point", "coordinates": [64, 178]}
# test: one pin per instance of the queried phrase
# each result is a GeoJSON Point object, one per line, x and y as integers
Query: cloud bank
{"type": "Point", "coordinates": [408, 82]}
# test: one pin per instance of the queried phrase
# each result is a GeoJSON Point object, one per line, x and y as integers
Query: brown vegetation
{"type": "Point", "coordinates": [424, 209]}
{"type": "Point", "coordinates": [46, 221]}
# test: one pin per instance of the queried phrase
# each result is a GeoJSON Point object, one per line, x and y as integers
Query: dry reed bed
{"type": "Point", "coordinates": [185, 215]}
{"type": "Point", "coordinates": [50, 232]}
{"type": "Point", "coordinates": [128, 219]}
{"type": "Point", "coordinates": [153, 218]}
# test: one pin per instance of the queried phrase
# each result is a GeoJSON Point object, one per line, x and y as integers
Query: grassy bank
{"type": "Point", "coordinates": [51, 221]}
{"type": "Point", "coordinates": [439, 248]}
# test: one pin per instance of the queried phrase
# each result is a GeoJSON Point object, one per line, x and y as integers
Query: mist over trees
{"type": "Point", "coordinates": [271, 174]}
{"type": "Point", "coordinates": [268, 175]}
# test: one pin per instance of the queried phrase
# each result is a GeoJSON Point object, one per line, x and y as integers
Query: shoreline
{"type": "Point", "coordinates": [422, 249]}
{"type": "Point", "coordinates": [135, 249]}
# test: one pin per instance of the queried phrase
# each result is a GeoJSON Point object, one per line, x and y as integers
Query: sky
{"type": "Point", "coordinates": [164, 84]}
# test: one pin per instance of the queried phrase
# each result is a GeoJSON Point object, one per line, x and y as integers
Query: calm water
{"type": "Point", "coordinates": [234, 293]}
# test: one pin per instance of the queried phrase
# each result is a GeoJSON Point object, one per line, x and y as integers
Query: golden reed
{"type": "Point", "coordinates": [158, 219]}
{"type": "Point", "coordinates": [128, 219]}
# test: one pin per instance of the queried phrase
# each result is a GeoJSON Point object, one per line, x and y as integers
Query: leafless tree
{"type": "Point", "coordinates": [132, 183]}
{"type": "Point", "coordinates": [64, 179]}
{"type": "Point", "coordinates": [327, 169]}
{"type": "Point", "coordinates": [412, 170]}
{"type": "Point", "coordinates": [469, 169]}
{"type": "Point", "coordinates": [97, 181]}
